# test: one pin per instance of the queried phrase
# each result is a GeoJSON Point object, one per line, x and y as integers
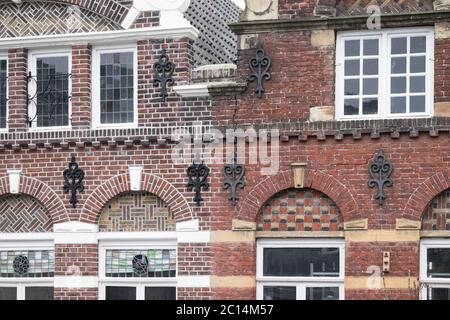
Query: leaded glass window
{"type": "Point", "coordinates": [3, 93]}
{"type": "Point", "coordinates": [27, 264]}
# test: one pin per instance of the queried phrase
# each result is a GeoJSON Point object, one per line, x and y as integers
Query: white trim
{"type": "Point", "coordinates": [194, 237]}
{"type": "Point", "coordinates": [384, 73]}
{"type": "Point", "coordinates": [192, 90]}
{"type": "Point", "coordinates": [100, 38]}
{"type": "Point", "coordinates": [130, 18]}
{"type": "Point", "coordinates": [194, 281]}
{"type": "Point", "coordinates": [76, 282]}
{"type": "Point", "coordinates": [28, 241]}
{"type": "Point", "coordinates": [75, 232]}
{"type": "Point", "coordinates": [424, 279]}
{"type": "Point", "coordinates": [96, 52]}
{"type": "Point", "coordinates": [14, 181]}
{"type": "Point", "coordinates": [188, 226]}
{"type": "Point", "coordinates": [135, 178]}
{"type": "Point", "coordinates": [22, 283]}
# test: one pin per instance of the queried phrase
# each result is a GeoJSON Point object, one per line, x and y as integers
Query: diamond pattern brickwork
{"type": "Point", "coordinates": [136, 212]}
{"type": "Point", "coordinates": [299, 210]}
{"type": "Point", "coordinates": [359, 7]}
{"type": "Point", "coordinates": [437, 216]}
{"type": "Point", "coordinates": [21, 213]}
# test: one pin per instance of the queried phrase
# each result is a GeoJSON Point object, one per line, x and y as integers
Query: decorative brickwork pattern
{"type": "Point", "coordinates": [300, 210]}
{"type": "Point", "coordinates": [22, 213]}
{"type": "Point", "coordinates": [359, 7]}
{"type": "Point", "coordinates": [136, 212]}
{"type": "Point", "coordinates": [437, 216]}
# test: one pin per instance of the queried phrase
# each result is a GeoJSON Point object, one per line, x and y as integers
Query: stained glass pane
{"type": "Point", "coordinates": [27, 264]}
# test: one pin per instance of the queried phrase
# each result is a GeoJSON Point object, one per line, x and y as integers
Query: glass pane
{"type": "Point", "coordinates": [370, 86]}
{"type": "Point", "coordinates": [370, 67]}
{"type": "Point", "coordinates": [120, 293]}
{"type": "Point", "coordinates": [440, 294]}
{"type": "Point", "coordinates": [39, 293]}
{"type": "Point", "coordinates": [438, 263]}
{"type": "Point", "coordinates": [370, 106]}
{"type": "Point", "coordinates": [352, 87]}
{"type": "Point", "coordinates": [160, 293]}
{"type": "Point", "coordinates": [352, 48]}
{"type": "Point", "coordinates": [9, 293]}
{"type": "Point", "coordinates": [280, 293]}
{"type": "Point", "coordinates": [417, 84]}
{"type": "Point", "coordinates": [52, 80]}
{"type": "Point", "coordinates": [398, 85]}
{"type": "Point", "coordinates": [352, 68]}
{"type": "Point", "coordinates": [371, 47]}
{"type": "Point", "coordinates": [117, 87]}
{"type": "Point", "coordinates": [398, 65]}
{"type": "Point", "coordinates": [417, 104]}
{"type": "Point", "coordinates": [418, 44]}
{"type": "Point", "coordinates": [398, 45]}
{"type": "Point", "coordinates": [301, 262]}
{"type": "Point", "coordinates": [327, 293]}
{"type": "Point", "coordinates": [27, 264]}
{"type": "Point", "coordinates": [417, 64]}
{"type": "Point", "coordinates": [351, 107]}
{"type": "Point", "coordinates": [398, 105]}
{"type": "Point", "coordinates": [3, 92]}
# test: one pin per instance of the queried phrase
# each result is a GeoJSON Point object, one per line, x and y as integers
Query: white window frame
{"type": "Point", "coordinates": [4, 56]}
{"type": "Point", "coordinates": [96, 116]}
{"type": "Point", "coordinates": [32, 58]}
{"type": "Point", "coordinates": [22, 283]}
{"type": "Point", "coordinates": [299, 282]}
{"type": "Point", "coordinates": [139, 283]}
{"type": "Point", "coordinates": [425, 281]}
{"type": "Point", "coordinates": [385, 71]}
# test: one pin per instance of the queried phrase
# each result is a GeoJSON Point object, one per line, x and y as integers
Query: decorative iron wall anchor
{"type": "Point", "coordinates": [198, 176]}
{"type": "Point", "coordinates": [73, 181]}
{"type": "Point", "coordinates": [380, 171]}
{"type": "Point", "coordinates": [234, 178]}
{"type": "Point", "coordinates": [164, 69]}
{"type": "Point", "coordinates": [260, 65]}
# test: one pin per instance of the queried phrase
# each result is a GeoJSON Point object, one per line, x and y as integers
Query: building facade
{"type": "Point", "coordinates": [149, 153]}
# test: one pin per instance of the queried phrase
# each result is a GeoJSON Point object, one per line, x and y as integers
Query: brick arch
{"type": "Point", "coordinates": [314, 179]}
{"type": "Point", "coordinates": [120, 184]}
{"type": "Point", "coordinates": [421, 198]}
{"type": "Point", "coordinates": [41, 192]}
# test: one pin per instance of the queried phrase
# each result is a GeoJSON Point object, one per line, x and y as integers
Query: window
{"type": "Point", "coordinates": [435, 269]}
{"type": "Point", "coordinates": [26, 273]}
{"type": "Point", "coordinates": [385, 74]}
{"type": "Point", "coordinates": [300, 269]}
{"type": "Point", "coordinates": [3, 92]}
{"type": "Point", "coordinates": [138, 271]}
{"type": "Point", "coordinates": [115, 87]}
{"type": "Point", "coordinates": [49, 86]}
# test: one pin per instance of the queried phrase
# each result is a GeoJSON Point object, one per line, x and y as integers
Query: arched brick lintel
{"type": "Point", "coordinates": [42, 192]}
{"type": "Point", "coordinates": [314, 179]}
{"type": "Point", "coordinates": [121, 184]}
{"type": "Point", "coordinates": [421, 198]}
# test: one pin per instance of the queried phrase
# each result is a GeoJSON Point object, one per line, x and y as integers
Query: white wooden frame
{"type": "Point", "coordinates": [96, 117]}
{"type": "Point", "coordinates": [139, 283]}
{"type": "Point", "coordinates": [301, 283]}
{"type": "Point", "coordinates": [424, 279]}
{"type": "Point", "coordinates": [384, 71]}
{"type": "Point", "coordinates": [32, 58]}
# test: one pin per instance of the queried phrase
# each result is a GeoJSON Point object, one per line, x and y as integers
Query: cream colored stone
{"type": "Point", "coordinates": [323, 38]}
{"type": "Point", "coordinates": [248, 41]}
{"type": "Point", "coordinates": [442, 109]}
{"type": "Point", "coordinates": [260, 10]}
{"type": "Point", "coordinates": [435, 234]}
{"type": "Point", "coordinates": [233, 282]}
{"type": "Point", "coordinates": [317, 114]}
{"type": "Point", "coordinates": [241, 225]}
{"type": "Point", "coordinates": [233, 236]}
{"type": "Point", "coordinates": [383, 236]}
{"type": "Point", "coordinates": [441, 4]}
{"type": "Point", "coordinates": [298, 170]}
{"type": "Point", "coordinates": [366, 282]}
{"type": "Point", "coordinates": [406, 224]}
{"type": "Point", "coordinates": [299, 234]}
{"type": "Point", "coordinates": [356, 224]}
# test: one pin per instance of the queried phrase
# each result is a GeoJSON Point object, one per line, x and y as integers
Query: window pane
{"type": "Point", "coordinates": [351, 107]}
{"type": "Point", "coordinates": [417, 64]}
{"type": "Point", "coordinates": [370, 67]}
{"type": "Point", "coordinates": [117, 88]}
{"type": "Point", "coordinates": [398, 45]}
{"type": "Point", "coordinates": [52, 100]}
{"type": "Point", "coordinates": [3, 93]}
{"type": "Point", "coordinates": [301, 262]}
{"type": "Point", "coordinates": [27, 264]}
{"type": "Point", "coordinates": [417, 84]}
{"type": "Point", "coordinates": [417, 104]}
{"type": "Point", "coordinates": [120, 293]}
{"type": "Point", "coordinates": [280, 293]}
{"type": "Point", "coordinates": [398, 85]}
{"type": "Point", "coordinates": [398, 65]}
{"type": "Point", "coordinates": [418, 44]}
{"type": "Point", "coordinates": [370, 106]}
{"type": "Point", "coordinates": [370, 86]}
{"type": "Point", "coordinates": [39, 293]}
{"type": "Point", "coordinates": [352, 87]}
{"type": "Point", "coordinates": [352, 48]}
{"type": "Point", "coordinates": [371, 47]}
{"type": "Point", "coordinates": [9, 293]}
{"type": "Point", "coordinates": [398, 105]}
{"type": "Point", "coordinates": [153, 293]}
{"type": "Point", "coordinates": [352, 68]}
{"type": "Point", "coordinates": [440, 293]}
{"type": "Point", "coordinates": [327, 293]}
{"type": "Point", "coordinates": [439, 262]}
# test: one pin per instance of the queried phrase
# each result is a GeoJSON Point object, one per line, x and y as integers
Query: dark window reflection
{"type": "Point", "coordinates": [39, 293]}
{"type": "Point", "coordinates": [280, 293]}
{"type": "Point", "coordinates": [160, 293]}
{"type": "Point", "coordinates": [439, 263]}
{"type": "Point", "coordinates": [327, 293]}
{"type": "Point", "coordinates": [120, 293]}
